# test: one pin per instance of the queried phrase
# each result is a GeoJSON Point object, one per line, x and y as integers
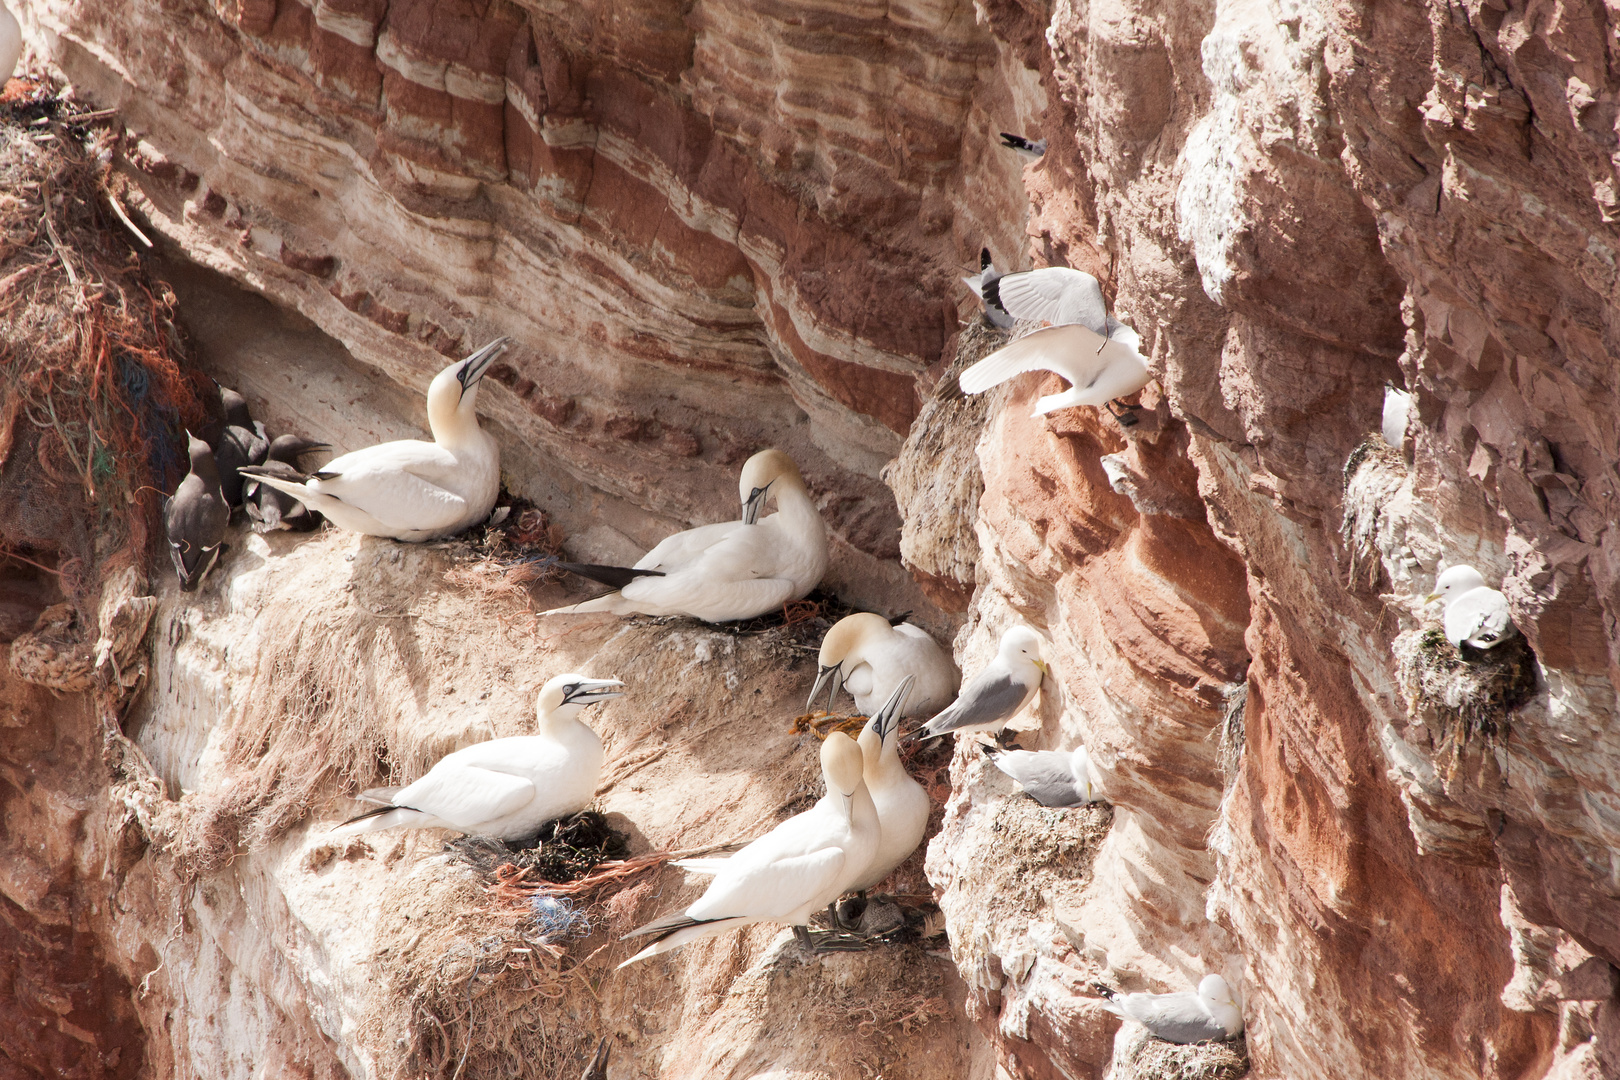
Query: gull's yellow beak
{"type": "Point", "coordinates": [1431, 598]}
{"type": "Point", "coordinates": [1042, 665]}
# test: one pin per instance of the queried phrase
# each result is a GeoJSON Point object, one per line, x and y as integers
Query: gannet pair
{"type": "Point", "coordinates": [791, 872]}
{"type": "Point", "coordinates": [731, 570]}
{"type": "Point", "coordinates": [196, 517]}
{"type": "Point", "coordinates": [505, 788]}
{"type": "Point", "coordinates": [994, 695]}
{"type": "Point", "coordinates": [411, 489]}
{"type": "Point", "coordinates": [11, 44]}
{"type": "Point", "coordinates": [865, 655]}
{"type": "Point", "coordinates": [1100, 356]}
{"type": "Point", "coordinates": [1210, 1014]}
{"type": "Point", "coordinates": [1475, 614]}
{"type": "Point", "coordinates": [1056, 778]}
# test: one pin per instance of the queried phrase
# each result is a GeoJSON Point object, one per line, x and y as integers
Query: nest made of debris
{"type": "Point", "coordinates": [564, 850]}
{"type": "Point", "coordinates": [1373, 473]}
{"type": "Point", "coordinates": [1465, 693]}
{"type": "Point", "coordinates": [1144, 1057]}
{"type": "Point", "coordinates": [510, 555]}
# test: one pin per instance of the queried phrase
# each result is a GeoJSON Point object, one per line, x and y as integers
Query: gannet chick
{"type": "Point", "coordinates": [733, 570]}
{"type": "Point", "coordinates": [1211, 1014]}
{"type": "Point", "coordinates": [1397, 411]}
{"type": "Point", "coordinates": [983, 284]}
{"type": "Point", "coordinates": [792, 871]}
{"type": "Point", "coordinates": [994, 696]}
{"type": "Point", "coordinates": [1474, 614]}
{"type": "Point", "coordinates": [1025, 147]}
{"type": "Point", "coordinates": [241, 443]}
{"type": "Point", "coordinates": [1057, 778]}
{"type": "Point", "coordinates": [11, 44]}
{"type": "Point", "coordinates": [866, 656]}
{"type": "Point", "coordinates": [271, 509]}
{"type": "Point", "coordinates": [196, 517]}
{"type": "Point", "coordinates": [411, 489]}
{"type": "Point", "coordinates": [902, 803]}
{"type": "Point", "coordinates": [505, 788]}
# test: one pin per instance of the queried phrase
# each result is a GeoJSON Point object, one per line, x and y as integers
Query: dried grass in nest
{"type": "Point", "coordinates": [510, 557]}
{"type": "Point", "coordinates": [1467, 693]}
{"type": "Point", "coordinates": [1229, 750]}
{"type": "Point", "coordinates": [797, 628]}
{"type": "Point", "coordinates": [92, 395]}
{"type": "Point", "coordinates": [564, 850]}
{"type": "Point", "coordinates": [1144, 1057]}
{"type": "Point", "coordinates": [1373, 473]}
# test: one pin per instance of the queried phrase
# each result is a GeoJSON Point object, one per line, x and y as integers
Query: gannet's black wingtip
{"type": "Point", "coordinates": [616, 577]}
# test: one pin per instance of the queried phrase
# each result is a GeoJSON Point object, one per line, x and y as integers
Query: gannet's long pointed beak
{"type": "Point", "coordinates": [823, 677]}
{"type": "Point", "coordinates": [886, 719]}
{"type": "Point", "coordinates": [590, 691]}
{"type": "Point", "coordinates": [755, 503]}
{"type": "Point", "coordinates": [473, 368]}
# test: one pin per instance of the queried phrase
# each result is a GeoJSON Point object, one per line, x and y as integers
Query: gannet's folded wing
{"type": "Point", "coordinates": [1076, 353]}
{"type": "Point", "coordinates": [769, 888]}
{"type": "Point", "coordinates": [397, 483]}
{"type": "Point", "coordinates": [466, 796]}
{"type": "Point", "coordinates": [1054, 294]}
{"type": "Point", "coordinates": [674, 552]}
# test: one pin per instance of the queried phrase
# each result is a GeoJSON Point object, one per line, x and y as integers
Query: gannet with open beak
{"type": "Point", "coordinates": [865, 655]}
{"type": "Point", "coordinates": [732, 570]}
{"type": "Point", "coordinates": [1475, 613]}
{"type": "Point", "coordinates": [412, 489]}
{"type": "Point", "coordinates": [196, 517]}
{"type": "Point", "coordinates": [1056, 778]}
{"type": "Point", "coordinates": [994, 696]}
{"type": "Point", "coordinates": [505, 788]}
{"type": "Point", "coordinates": [902, 803]}
{"type": "Point", "coordinates": [791, 872]}
{"type": "Point", "coordinates": [1212, 1014]}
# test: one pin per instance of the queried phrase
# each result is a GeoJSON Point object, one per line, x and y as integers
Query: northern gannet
{"type": "Point", "coordinates": [1026, 148]}
{"type": "Point", "coordinates": [241, 442]}
{"type": "Point", "coordinates": [866, 656]}
{"type": "Point", "coordinates": [505, 788]}
{"type": "Point", "coordinates": [732, 570]}
{"type": "Point", "coordinates": [271, 509]}
{"type": "Point", "coordinates": [791, 872]}
{"type": "Point", "coordinates": [1474, 613]}
{"type": "Point", "coordinates": [412, 489]}
{"type": "Point", "coordinates": [1056, 778]}
{"type": "Point", "coordinates": [11, 44]}
{"type": "Point", "coordinates": [1212, 1014]}
{"type": "Point", "coordinates": [984, 280]}
{"type": "Point", "coordinates": [196, 517]}
{"type": "Point", "coordinates": [902, 803]}
{"type": "Point", "coordinates": [1006, 684]}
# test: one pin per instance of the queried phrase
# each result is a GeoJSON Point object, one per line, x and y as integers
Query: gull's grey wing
{"type": "Point", "coordinates": [989, 699]}
{"type": "Point", "coordinates": [1177, 1018]}
{"type": "Point", "coordinates": [1046, 775]}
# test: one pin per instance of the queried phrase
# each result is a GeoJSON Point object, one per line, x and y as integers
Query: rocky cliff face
{"type": "Point", "coordinates": [709, 226]}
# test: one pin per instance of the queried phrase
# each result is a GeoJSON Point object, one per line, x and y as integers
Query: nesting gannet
{"type": "Point", "coordinates": [994, 695]}
{"type": "Point", "coordinates": [983, 282]}
{"type": "Point", "coordinates": [505, 788]}
{"type": "Point", "coordinates": [865, 655]}
{"type": "Point", "coordinates": [1051, 777]}
{"type": "Point", "coordinates": [732, 570]}
{"type": "Point", "coordinates": [196, 517]}
{"type": "Point", "coordinates": [1210, 1014]}
{"type": "Point", "coordinates": [1025, 147]}
{"type": "Point", "coordinates": [1474, 613]}
{"type": "Point", "coordinates": [1397, 411]}
{"type": "Point", "coordinates": [11, 44]}
{"type": "Point", "coordinates": [902, 803]}
{"type": "Point", "coordinates": [412, 489]}
{"type": "Point", "coordinates": [271, 509]}
{"type": "Point", "coordinates": [240, 443]}
{"type": "Point", "coordinates": [792, 871]}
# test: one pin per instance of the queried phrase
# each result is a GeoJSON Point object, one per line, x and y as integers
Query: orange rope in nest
{"type": "Point", "coordinates": [822, 724]}
{"type": "Point", "coordinates": [511, 886]}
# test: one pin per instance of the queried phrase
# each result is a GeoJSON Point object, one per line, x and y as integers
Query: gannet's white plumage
{"type": "Point", "coordinates": [792, 871]}
{"type": "Point", "coordinates": [1397, 411]}
{"type": "Point", "coordinates": [1474, 613]}
{"type": "Point", "coordinates": [1098, 369]}
{"type": "Point", "coordinates": [506, 788]}
{"type": "Point", "coordinates": [994, 695]}
{"type": "Point", "coordinates": [11, 44]}
{"type": "Point", "coordinates": [902, 803]}
{"type": "Point", "coordinates": [411, 489]}
{"type": "Point", "coordinates": [1056, 778]}
{"type": "Point", "coordinates": [734, 569]}
{"type": "Point", "coordinates": [1211, 1013]}
{"type": "Point", "coordinates": [866, 656]}
{"type": "Point", "coordinates": [984, 280]}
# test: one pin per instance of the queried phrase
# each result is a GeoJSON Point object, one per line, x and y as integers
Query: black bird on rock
{"type": "Point", "coordinates": [196, 517]}
{"type": "Point", "coordinates": [241, 443]}
{"type": "Point", "coordinates": [271, 509]}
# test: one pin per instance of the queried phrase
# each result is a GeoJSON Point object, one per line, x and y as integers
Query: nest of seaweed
{"type": "Point", "coordinates": [1144, 1057]}
{"type": "Point", "coordinates": [1469, 692]}
{"type": "Point", "coordinates": [511, 554]}
{"type": "Point", "coordinates": [564, 850]}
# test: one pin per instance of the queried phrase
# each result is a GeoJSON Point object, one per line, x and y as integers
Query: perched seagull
{"type": "Point", "coordinates": [505, 788]}
{"type": "Point", "coordinates": [1057, 778]}
{"type": "Point", "coordinates": [1474, 613]}
{"type": "Point", "coordinates": [1210, 1015]}
{"type": "Point", "coordinates": [196, 517]}
{"type": "Point", "coordinates": [791, 872]}
{"type": "Point", "coordinates": [902, 803]}
{"type": "Point", "coordinates": [242, 442]}
{"type": "Point", "coordinates": [11, 44]}
{"type": "Point", "coordinates": [411, 489]}
{"type": "Point", "coordinates": [1007, 684]}
{"type": "Point", "coordinates": [868, 657]}
{"type": "Point", "coordinates": [1397, 411]}
{"type": "Point", "coordinates": [983, 286]}
{"type": "Point", "coordinates": [1025, 147]}
{"type": "Point", "coordinates": [269, 508]}
{"type": "Point", "coordinates": [732, 570]}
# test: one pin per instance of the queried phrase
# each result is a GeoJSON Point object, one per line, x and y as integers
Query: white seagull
{"type": "Point", "coordinates": [11, 44]}
{"type": "Point", "coordinates": [1397, 412]}
{"type": "Point", "coordinates": [984, 281]}
{"type": "Point", "coordinates": [1057, 778]}
{"type": "Point", "coordinates": [866, 656]}
{"type": "Point", "coordinates": [731, 570]}
{"type": "Point", "coordinates": [1212, 1014]}
{"type": "Point", "coordinates": [412, 489]}
{"type": "Point", "coordinates": [902, 803]}
{"type": "Point", "coordinates": [505, 788]}
{"type": "Point", "coordinates": [791, 872]}
{"type": "Point", "coordinates": [1474, 613]}
{"type": "Point", "coordinates": [1007, 684]}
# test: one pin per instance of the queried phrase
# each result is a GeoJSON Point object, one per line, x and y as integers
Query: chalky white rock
{"type": "Point", "coordinates": [866, 656]}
